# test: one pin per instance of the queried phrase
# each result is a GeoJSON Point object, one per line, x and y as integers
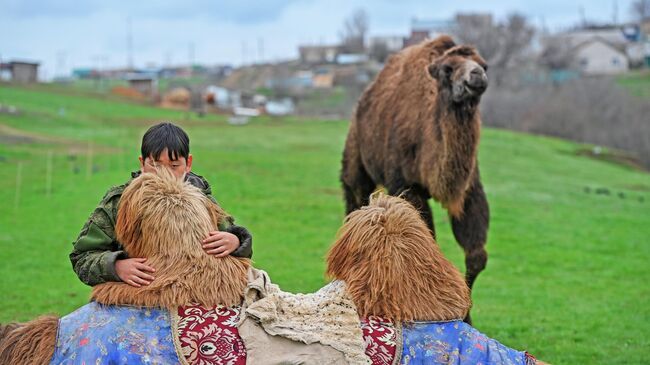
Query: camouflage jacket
{"type": "Point", "coordinates": [96, 249]}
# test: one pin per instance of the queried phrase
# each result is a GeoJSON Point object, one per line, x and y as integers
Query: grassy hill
{"type": "Point", "coordinates": [568, 244]}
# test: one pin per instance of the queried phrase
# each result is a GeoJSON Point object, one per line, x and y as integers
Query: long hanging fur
{"type": "Point", "coordinates": [6, 328]}
{"type": "Point", "coordinates": [393, 268]}
{"type": "Point", "coordinates": [29, 343]}
{"type": "Point", "coordinates": [164, 219]}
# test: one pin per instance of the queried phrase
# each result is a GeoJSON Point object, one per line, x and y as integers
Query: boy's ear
{"type": "Point", "coordinates": [188, 164]}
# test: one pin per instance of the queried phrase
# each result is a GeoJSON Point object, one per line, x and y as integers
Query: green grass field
{"type": "Point", "coordinates": [637, 83]}
{"type": "Point", "coordinates": [567, 272]}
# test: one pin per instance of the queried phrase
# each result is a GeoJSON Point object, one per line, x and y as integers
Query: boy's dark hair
{"type": "Point", "coordinates": [165, 135]}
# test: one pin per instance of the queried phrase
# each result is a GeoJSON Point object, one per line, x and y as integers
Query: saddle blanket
{"type": "Point", "coordinates": [102, 335]}
{"type": "Point", "coordinates": [435, 343]}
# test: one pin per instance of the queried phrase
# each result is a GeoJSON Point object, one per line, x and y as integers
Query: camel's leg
{"type": "Point", "coordinates": [419, 197]}
{"type": "Point", "coordinates": [357, 184]}
{"type": "Point", "coordinates": [470, 230]}
{"type": "Point", "coordinates": [31, 343]}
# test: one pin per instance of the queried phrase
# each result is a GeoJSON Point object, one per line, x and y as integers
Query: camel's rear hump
{"type": "Point", "coordinates": [30, 343]}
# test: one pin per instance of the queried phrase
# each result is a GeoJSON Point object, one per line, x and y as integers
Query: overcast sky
{"type": "Point", "coordinates": [65, 34]}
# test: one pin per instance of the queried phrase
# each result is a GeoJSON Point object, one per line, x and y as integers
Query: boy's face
{"type": "Point", "coordinates": [178, 167]}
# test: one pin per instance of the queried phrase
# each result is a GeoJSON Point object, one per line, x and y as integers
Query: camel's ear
{"type": "Point", "coordinates": [443, 43]}
{"type": "Point", "coordinates": [464, 51]}
{"type": "Point", "coordinates": [433, 70]}
{"type": "Point", "coordinates": [438, 71]}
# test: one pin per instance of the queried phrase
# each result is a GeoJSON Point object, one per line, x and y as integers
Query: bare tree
{"type": "Point", "coordinates": [640, 10]}
{"type": "Point", "coordinates": [354, 32]}
{"type": "Point", "coordinates": [379, 52]}
{"type": "Point", "coordinates": [557, 53]}
{"type": "Point", "coordinates": [503, 44]}
{"type": "Point", "coordinates": [478, 30]}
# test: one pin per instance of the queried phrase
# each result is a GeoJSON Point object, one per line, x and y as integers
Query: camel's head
{"type": "Point", "coordinates": [393, 267]}
{"type": "Point", "coordinates": [159, 214]}
{"type": "Point", "coordinates": [461, 74]}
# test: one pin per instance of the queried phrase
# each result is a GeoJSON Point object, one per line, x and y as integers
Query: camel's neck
{"type": "Point", "coordinates": [458, 132]}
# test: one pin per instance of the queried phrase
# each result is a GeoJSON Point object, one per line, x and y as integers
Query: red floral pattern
{"type": "Point", "coordinates": [209, 336]}
{"type": "Point", "coordinates": [380, 337]}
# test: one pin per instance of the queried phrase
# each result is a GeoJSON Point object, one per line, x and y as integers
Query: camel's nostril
{"type": "Point", "coordinates": [477, 72]}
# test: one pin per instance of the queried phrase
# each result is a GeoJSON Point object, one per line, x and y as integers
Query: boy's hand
{"type": "Point", "coordinates": [220, 244]}
{"type": "Point", "coordinates": [134, 272]}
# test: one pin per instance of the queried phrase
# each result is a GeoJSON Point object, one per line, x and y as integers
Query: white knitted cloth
{"type": "Point", "coordinates": [328, 316]}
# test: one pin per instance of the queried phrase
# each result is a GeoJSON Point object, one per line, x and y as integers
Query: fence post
{"type": "Point", "coordinates": [89, 160]}
{"type": "Point", "coordinates": [48, 174]}
{"type": "Point", "coordinates": [19, 182]}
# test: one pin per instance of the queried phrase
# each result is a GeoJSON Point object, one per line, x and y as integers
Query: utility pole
{"type": "Point", "coordinates": [168, 59]}
{"type": "Point", "coordinates": [191, 53]}
{"type": "Point", "coordinates": [60, 63]}
{"type": "Point", "coordinates": [260, 50]}
{"type": "Point", "coordinates": [129, 44]}
{"type": "Point", "coordinates": [243, 53]}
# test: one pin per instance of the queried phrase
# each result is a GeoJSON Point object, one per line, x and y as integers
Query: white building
{"type": "Point", "coordinates": [598, 57]}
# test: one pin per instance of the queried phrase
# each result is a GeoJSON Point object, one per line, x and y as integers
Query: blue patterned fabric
{"type": "Point", "coordinates": [102, 335]}
{"type": "Point", "coordinates": [455, 342]}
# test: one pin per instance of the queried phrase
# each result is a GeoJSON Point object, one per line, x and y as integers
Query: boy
{"type": "Point", "coordinates": [97, 257]}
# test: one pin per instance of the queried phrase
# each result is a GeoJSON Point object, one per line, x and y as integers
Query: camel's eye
{"type": "Point", "coordinates": [447, 70]}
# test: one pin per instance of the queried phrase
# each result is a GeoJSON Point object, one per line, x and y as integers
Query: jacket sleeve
{"type": "Point", "coordinates": [96, 249]}
{"type": "Point", "coordinates": [245, 248]}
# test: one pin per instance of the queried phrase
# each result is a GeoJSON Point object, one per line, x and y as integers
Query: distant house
{"type": "Point", "coordinates": [172, 72]}
{"type": "Point", "coordinates": [323, 78]}
{"type": "Point", "coordinates": [351, 75]}
{"type": "Point", "coordinates": [600, 51]}
{"type": "Point", "coordinates": [422, 29]}
{"type": "Point", "coordinates": [146, 84]}
{"type": "Point", "coordinates": [598, 57]}
{"type": "Point", "coordinates": [351, 58]}
{"type": "Point", "coordinates": [299, 80]}
{"type": "Point", "coordinates": [318, 54]}
{"type": "Point", "coordinates": [21, 72]}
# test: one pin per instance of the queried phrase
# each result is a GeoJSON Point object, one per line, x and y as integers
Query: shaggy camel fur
{"type": "Point", "coordinates": [163, 219]}
{"type": "Point", "coordinates": [416, 132]}
{"type": "Point", "coordinates": [392, 266]}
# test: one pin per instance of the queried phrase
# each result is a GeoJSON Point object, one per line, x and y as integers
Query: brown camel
{"type": "Point", "coordinates": [416, 132]}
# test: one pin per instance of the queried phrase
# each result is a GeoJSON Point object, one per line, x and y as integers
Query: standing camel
{"type": "Point", "coordinates": [416, 132]}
